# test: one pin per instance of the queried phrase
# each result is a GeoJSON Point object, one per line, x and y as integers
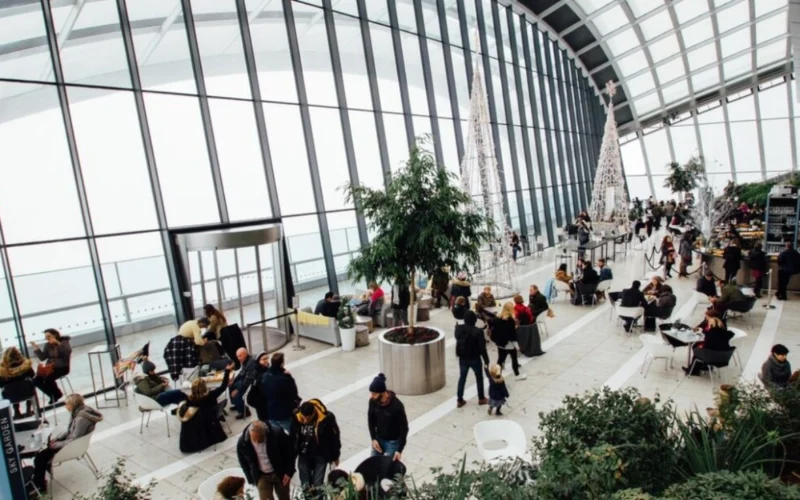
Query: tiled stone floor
{"type": "Point", "coordinates": [585, 350]}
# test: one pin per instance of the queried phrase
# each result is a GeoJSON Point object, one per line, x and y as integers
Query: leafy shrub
{"type": "Point", "coordinates": [727, 485]}
{"type": "Point", "coordinates": [119, 486]}
{"type": "Point", "coordinates": [635, 433]}
{"type": "Point", "coordinates": [345, 316]}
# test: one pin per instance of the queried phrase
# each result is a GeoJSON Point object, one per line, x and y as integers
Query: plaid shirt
{"type": "Point", "coordinates": [180, 353]}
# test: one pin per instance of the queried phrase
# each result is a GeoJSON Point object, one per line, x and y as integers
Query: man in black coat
{"type": "Point", "coordinates": [631, 297]}
{"type": "Point", "coordinates": [266, 455]}
{"type": "Point", "coordinates": [280, 393]}
{"type": "Point", "coordinates": [317, 441]}
{"type": "Point", "coordinates": [321, 304]}
{"type": "Point", "coordinates": [470, 349]}
{"type": "Point", "coordinates": [788, 264]}
{"type": "Point", "coordinates": [537, 302]}
{"type": "Point", "coordinates": [706, 285]}
{"type": "Point", "coordinates": [387, 420]}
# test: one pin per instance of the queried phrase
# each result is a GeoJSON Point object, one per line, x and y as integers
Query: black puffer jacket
{"type": "Point", "coordinates": [280, 393]}
{"type": "Point", "coordinates": [504, 331]}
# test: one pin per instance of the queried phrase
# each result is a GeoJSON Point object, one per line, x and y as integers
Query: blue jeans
{"type": "Point", "coordinates": [311, 470]}
{"type": "Point", "coordinates": [389, 447]}
{"type": "Point", "coordinates": [238, 400]}
{"type": "Point", "coordinates": [466, 365]}
{"type": "Point", "coordinates": [171, 397]}
{"type": "Point", "coordinates": [286, 425]}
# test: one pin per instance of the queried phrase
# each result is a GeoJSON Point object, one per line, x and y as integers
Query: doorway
{"type": "Point", "coordinates": [241, 272]}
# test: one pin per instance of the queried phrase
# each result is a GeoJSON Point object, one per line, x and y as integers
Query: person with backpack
{"type": "Point", "coordinates": [471, 350]}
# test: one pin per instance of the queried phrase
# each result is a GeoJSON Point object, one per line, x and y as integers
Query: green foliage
{"type": "Point", "coordinates": [119, 486]}
{"type": "Point", "coordinates": [727, 485]}
{"type": "Point", "coordinates": [345, 316]}
{"type": "Point", "coordinates": [619, 433]}
{"type": "Point", "coordinates": [684, 178]}
{"type": "Point", "coordinates": [421, 223]}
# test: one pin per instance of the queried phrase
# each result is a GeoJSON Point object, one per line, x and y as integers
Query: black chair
{"type": "Point", "coordinates": [714, 360]}
{"type": "Point", "coordinates": [584, 294]}
{"type": "Point", "coordinates": [376, 469]}
{"type": "Point", "coordinates": [739, 308]}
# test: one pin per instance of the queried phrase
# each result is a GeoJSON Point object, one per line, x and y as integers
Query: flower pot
{"type": "Point", "coordinates": [413, 369]}
{"type": "Point", "coordinates": [348, 336]}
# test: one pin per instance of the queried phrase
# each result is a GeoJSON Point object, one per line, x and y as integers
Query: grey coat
{"type": "Point", "coordinates": [775, 374]}
{"type": "Point", "coordinates": [58, 354]}
{"type": "Point", "coordinates": [83, 421]}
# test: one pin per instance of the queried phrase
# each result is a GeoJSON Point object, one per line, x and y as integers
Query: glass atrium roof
{"type": "Point", "coordinates": [670, 54]}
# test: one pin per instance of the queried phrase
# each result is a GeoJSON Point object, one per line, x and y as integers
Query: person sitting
{"type": "Point", "coordinates": [328, 297]}
{"type": "Point", "coordinates": [216, 320]}
{"type": "Point", "coordinates": [460, 308]}
{"type": "Point", "coordinates": [230, 488]}
{"type": "Point", "coordinates": [280, 392]}
{"type": "Point", "coordinates": [211, 352]}
{"type": "Point", "coordinates": [148, 383]}
{"type": "Point", "coordinates": [193, 329]}
{"type": "Point", "coordinates": [331, 308]}
{"type": "Point", "coordinates": [716, 338]}
{"type": "Point", "coordinates": [374, 303]}
{"type": "Point", "coordinates": [16, 380]}
{"type": "Point", "coordinates": [485, 301]}
{"type": "Point", "coordinates": [589, 276]}
{"type": "Point", "coordinates": [563, 276]}
{"type": "Point", "coordinates": [460, 288]}
{"type": "Point", "coordinates": [603, 271]}
{"type": "Point", "coordinates": [729, 293]}
{"type": "Point", "coordinates": [200, 425]}
{"type": "Point", "coordinates": [56, 353]}
{"type": "Point", "coordinates": [537, 302]}
{"type": "Point", "coordinates": [654, 287]}
{"type": "Point", "coordinates": [776, 371]}
{"type": "Point", "coordinates": [523, 315]}
{"type": "Point", "coordinates": [243, 381]}
{"type": "Point", "coordinates": [630, 297]}
{"type": "Point", "coordinates": [82, 421]}
{"type": "Point", "coordinates": [706, 285]}
{"type": "Point", "coordinates": [660, 308]}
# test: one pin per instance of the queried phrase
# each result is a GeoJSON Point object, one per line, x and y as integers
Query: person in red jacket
{"type": "Point", "coordinates": [522, 312]}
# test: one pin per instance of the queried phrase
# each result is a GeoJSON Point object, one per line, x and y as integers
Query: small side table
{"type": "Point", "coordinates": [119, 384]}
{"type": "Point", "coordinates": [365, 321]}
{"type": "Point", "coordinates": [362, 336]}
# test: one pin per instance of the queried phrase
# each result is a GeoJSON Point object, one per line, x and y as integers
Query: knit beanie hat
{"type": "Point", "coordinates": [378, 384]}
{"type": "Point", "coordinates": [148, 366]}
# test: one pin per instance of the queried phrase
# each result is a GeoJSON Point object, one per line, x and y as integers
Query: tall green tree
{"type": "Point", "coordinates": [685, 178]}
{"type": "Point", "coordinates": [422, 221]}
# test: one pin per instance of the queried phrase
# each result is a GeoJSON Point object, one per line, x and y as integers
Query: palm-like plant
{"type": "Point", "coordinates": [685, 178]}
{"type": "Point", "coordinates": [421, 221]}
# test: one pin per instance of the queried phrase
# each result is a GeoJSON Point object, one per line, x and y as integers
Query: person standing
{"type": "Point", "coordinates": [317, 441]}
{"type": "Point", "coordinates": [440, 282]}
{"type": "Point", "coordinates": [667, 255]}
{"type": "Point", "coordinates": [401, 299]}
{"type": "Point", "coordinates": [216, 320]}
{"type": "Point", "coordinates": [387, 420]}
{"type": "Point", "coordinates": [504, 335]}
{"type": "Point", "coordinates": [193, 329]}
{"type": "Point", "coordinates": [243, 381]}
{"type": "Point", "coordinates": [758, 266]}
{"type": "Point", "coordinates": [460, 288]}
{"type": "Point", "coordinates": [685, 252]}
{"type": "Point", "coordinates": [732, 255]}
{"type": "Point", "coordinates": [280, 393]}
{"type": "Point", "coordinates": [266, 455]}
{"type": "Point", "coordinates": [788, 264]}
{"type": "Point", "coordinates": [515, 247]}
{"type": "Point", "coordinates": [471, 350]}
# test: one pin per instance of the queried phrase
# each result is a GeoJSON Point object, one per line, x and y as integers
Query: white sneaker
{"type": "Point", "coordinates": [522, 376]}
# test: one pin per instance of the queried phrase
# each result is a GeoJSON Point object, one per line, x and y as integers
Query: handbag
{"type": "Point", "coordinates": [44, 370]}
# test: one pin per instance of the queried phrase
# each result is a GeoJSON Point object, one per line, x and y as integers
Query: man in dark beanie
{"type": "Point", "coordinates": [386, 417]}
{"type": "Point", "coordinates": [317, 441]}
{"type": "Point", "coordinates": [155, 387]}
{"type": "Point", "coordinates": [776, 371]}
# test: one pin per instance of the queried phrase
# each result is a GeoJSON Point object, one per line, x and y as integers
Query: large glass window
{"type": "Point", "coordinates": [331, 158]}
{"type": "Point", "coordinates": [315, 54]}
{"type": "Point", "coordinates": [31, 64]}
{"type": "Point", "coordinates": [271, 47]}
{"type": "Point", "coordinates": [416, 80]}
{"type": "Point", "coordinates": [112, 160]}
{"type": "Point", "coordinates": [385, 67]}
{"type": "Point", "coordinates": [240, 161]}
{"type": "Point", "coordinates": [365, 143]}
{"type": "Point", "coordinates": [221, 51]}
{"type": "Point", "coordinates": [290, 161]}
{"type": "Point", "coordinates": [354, 66]}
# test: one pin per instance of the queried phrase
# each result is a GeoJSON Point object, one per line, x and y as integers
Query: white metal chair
{"type": "Point", "coordinates": [75, 450]}
{"type": "Point", "coordinates": [655, 348]}
{"type": "Point", "coordinates": [603, 286]}
{"type": "Point", "coordinates": [507, 432]}
{"type": "Point", "coordinates": [562, 287]}
{"type": "Point", "coordinates": [738, 336]}
{"type": "Point", "coordinates": [634, 313]}
{"type": "Point", "coordinates": [208, 487]}
{"type": "Point", "coordinates": [149, 405]}
{"type": "Point", "coordinates": [614, 304]}
{"type": "Point", "coordinates": [701, 299]}
{"type": "Point", "coordinates": [541, 324]}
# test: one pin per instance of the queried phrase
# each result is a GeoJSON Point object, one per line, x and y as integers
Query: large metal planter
{"type": "Point", "coordinates": [415, 369]}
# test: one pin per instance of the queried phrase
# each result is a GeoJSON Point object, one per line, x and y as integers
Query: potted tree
{"type": "Point", "coordinates": [422, 221]}
{"type": "Point", "coordinates": [684, 178]}
{"type": "Point", "coordinates": [346, 320]}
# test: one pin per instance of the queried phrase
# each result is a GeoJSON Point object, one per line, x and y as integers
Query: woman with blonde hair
{"type": "Point", "coordinates": [216, 320]}
{"type": "Point", "coordinates": [16, 380]}
{"type": "Point", "coordinates": [504, 335]}
{"type": "Point", "coordinates": [200, 427]}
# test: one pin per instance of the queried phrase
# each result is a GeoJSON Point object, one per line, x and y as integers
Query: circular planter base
{"type": "Point", "coordinates": [412, 370]}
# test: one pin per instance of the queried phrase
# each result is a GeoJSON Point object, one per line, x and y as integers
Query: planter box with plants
{"type": "Point", "coordinates": [346, 320]}
{"type": "Point", "coordinates": [422, 221]}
